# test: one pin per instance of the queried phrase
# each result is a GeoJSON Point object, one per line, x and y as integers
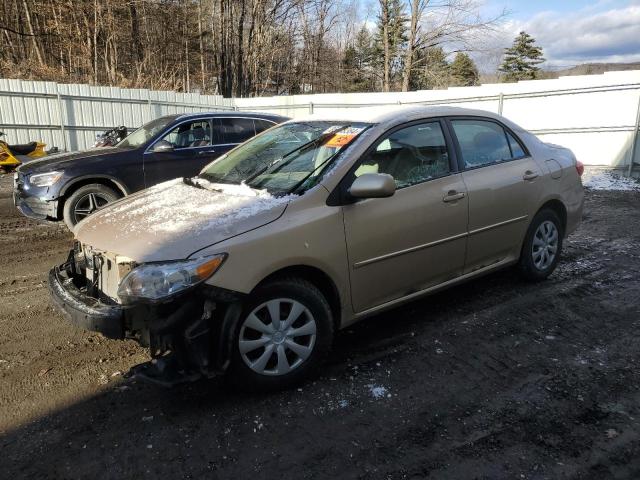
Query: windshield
{"type": "Point", "coordinates": [285, 158]}
{"type": "Point", "coordinates": [145, 133]}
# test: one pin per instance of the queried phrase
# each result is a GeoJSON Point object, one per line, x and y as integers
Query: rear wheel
{"type": "Point", "coordinates": [86, 200]}
{"type": "Point", "coordinates": [542, 246]}
{"type": "Point", "coordinates": [283, 336]}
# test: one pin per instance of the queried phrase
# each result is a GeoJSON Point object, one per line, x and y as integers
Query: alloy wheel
{"type": "Point", "coordinates": [89, 203]}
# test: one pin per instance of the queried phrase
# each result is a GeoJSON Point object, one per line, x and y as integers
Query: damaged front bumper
{"type": "Point", "coordinates": [83, 310]}
{"type": "Point", "coordinates": [185, 339]}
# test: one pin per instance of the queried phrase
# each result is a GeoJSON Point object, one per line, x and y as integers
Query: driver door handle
{"type": "Point", "coordinates": [204, 152]}
{"type": "Point", "coordinates": [453, 196]}
{"type": "Point", "coordinates": [529, 175]}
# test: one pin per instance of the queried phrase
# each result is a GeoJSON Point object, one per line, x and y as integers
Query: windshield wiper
{"type": "Point", "coordinates": [307, 176]}
{"type": "Point", "coordinates": [305, 146]}
{"type": "Point", "coordinates": [189, 181]}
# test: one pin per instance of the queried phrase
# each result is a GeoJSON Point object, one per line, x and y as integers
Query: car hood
{"type": "Point", "coordinates": [172, 220]}
{"type": "Point", "coordinates": [64, 160]}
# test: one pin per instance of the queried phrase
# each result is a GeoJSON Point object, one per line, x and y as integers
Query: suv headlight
{"type": "Point", "coordinates": [152, 282]}
{"type": "Point", "coordinates": [45, 179]}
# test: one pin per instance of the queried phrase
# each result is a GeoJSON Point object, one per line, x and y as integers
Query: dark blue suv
{"type": "Point", "coordinates": [71, 186]}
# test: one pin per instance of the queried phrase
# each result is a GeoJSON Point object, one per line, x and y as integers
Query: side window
{"type": "Point", "coordinates": [262, 125]}
{"type": "Point", "coordinates": [410, 155]}
{"type": "Point", "coordinates": [190, 134]}
{"type": "Point", "coordinates": [516, 149]}
{"type": "Point", "coordinates": [236, 130]}
{"type": "Point", "coordinates": [481, 142]}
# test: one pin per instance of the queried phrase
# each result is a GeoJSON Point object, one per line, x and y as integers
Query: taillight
{"type": "Point", "coordinates": [579, 167]}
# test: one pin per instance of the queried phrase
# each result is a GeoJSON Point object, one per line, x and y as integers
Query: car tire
{"type": "Point", "coordinates": [312, 315]}
{"type": "Point", "coordinates": [542, 246]}
{"type": "Point", "coordinates": [87, 198]}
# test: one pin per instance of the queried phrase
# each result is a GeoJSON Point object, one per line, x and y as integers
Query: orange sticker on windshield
{"type": "Point", "coordinates": [340, 140]}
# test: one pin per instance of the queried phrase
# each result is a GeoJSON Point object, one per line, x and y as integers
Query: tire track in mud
{"type": "Point", "coordinates": [45, 363]}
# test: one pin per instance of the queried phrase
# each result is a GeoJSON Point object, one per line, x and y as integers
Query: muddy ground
{"type": "Point", "coordinates": [495, 379]}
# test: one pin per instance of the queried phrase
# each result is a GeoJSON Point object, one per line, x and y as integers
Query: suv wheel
{"type": "Point", "coordinates": [284, 334]}
{"type": "Point", "coordinates": [542, 246]}
{"type": "Point", "coordinates": [86, 200]}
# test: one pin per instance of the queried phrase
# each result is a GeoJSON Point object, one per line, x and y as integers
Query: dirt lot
{"type": "Point", "coordinates": [495, 379]}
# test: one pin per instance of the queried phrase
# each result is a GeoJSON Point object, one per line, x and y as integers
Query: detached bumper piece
{"type": "Point", "coordinates": [186, 342]}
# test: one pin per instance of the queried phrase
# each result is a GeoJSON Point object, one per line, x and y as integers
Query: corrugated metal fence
{"type": "Point", "coordinates": [595, 115]}
{"type": "Point", "coordinates": [69, 116]}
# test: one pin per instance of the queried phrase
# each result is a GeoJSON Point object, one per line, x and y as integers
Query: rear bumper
{"type": "Point", "coordinates": [33, 207]}
{"type": "Point", "coordinates": [82, 310]}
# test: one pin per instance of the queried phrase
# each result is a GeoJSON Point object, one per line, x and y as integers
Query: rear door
{"type": "Point", "coordinates": [416, 238]}
{"type": "Point", "coordinates": [192, 149]}
{"type": "Point", "coordinates": [503, 184]}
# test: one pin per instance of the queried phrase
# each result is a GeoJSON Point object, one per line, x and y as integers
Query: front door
{"type": "Point", "coordinates": [190, 148]}
{"type": "Point", "coordinates": [416, 238]}
{"type": "Point", "coordinates": [503, 182]}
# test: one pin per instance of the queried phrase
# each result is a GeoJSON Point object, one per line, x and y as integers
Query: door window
{"type": "Point", "coordinates": [190, 134]}
{"type": "Point", "coordinates": [262, 125]}
{"type": "Point", "coordinates": [410, 155]}
{"type": "Point", "coordinates": [483, 142]}
{"type": "Point", "coordinates": [236, 130]}
{"type": "Point", "coordinates": [516, 149]}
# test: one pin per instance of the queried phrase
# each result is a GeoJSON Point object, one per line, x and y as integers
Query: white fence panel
{"type": "Point", "coordinates": [594, 115]}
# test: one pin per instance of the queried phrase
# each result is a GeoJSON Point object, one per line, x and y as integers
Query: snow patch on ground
{"type": "Point", "coordinates": [596, 179]}
{"type": "Point", "coordinates": [377, 391]}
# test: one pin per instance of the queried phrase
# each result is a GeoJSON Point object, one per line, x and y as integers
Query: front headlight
{"type": "Point", "coordinates": [45, 179]}
{"type": "Point", "coordinates": [153, 282]}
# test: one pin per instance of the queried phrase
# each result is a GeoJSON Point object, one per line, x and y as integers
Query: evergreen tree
{"type": "Point", "coordinates": [464, 72]}
{"type": "Point", "coordinates": [521, 59]}
{"type": "Point", "coordinates": [357, 63]}
{"type": "Point", "coordinates": [393, 21]}
{"type": "Point", "coordinates": [433, 72]}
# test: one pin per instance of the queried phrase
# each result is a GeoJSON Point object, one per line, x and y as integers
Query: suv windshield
{"type": "Point", "coordinates": [285, 158]}
{"type": "Point", "coordinates": [145, 133]}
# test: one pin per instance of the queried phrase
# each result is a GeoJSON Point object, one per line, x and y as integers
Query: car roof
{"type": "Point", "coordinates": [230, 113]}
{"type": "Point", "coordinates": [396, 114]}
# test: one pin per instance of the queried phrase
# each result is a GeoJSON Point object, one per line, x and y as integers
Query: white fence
{"type": "Point", "coordinates": [595, 115]}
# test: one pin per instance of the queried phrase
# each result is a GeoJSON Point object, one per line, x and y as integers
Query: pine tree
{"type": "Point", "coordinates": [391, 38]}
{"type": "Point", "coordinates": [464, 72]}
{"type": "Point", "coordinates": [521, 59]}
{"type": "Point", "coordinates": [434, 69]}
{"type": "Point", "coordinates": [357, 63]}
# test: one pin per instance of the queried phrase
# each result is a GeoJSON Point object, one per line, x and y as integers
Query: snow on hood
{"type": "Point", "coordinates": [172, 220]}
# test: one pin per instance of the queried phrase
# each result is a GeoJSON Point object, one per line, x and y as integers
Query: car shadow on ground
{"type": "Point", "coordinates": [132, 428]}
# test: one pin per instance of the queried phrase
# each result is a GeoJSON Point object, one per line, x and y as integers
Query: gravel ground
{"type": "Point", "coordinates": [494, 379]}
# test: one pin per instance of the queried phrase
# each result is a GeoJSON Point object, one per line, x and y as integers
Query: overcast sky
{"type": "Point", "coordinates": [572, 32]}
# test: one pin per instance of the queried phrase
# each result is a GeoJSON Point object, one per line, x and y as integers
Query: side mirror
{"type": "Point", "coordinates": [373, 185]}
{"type": "Point", "coordinates": [162, 147]}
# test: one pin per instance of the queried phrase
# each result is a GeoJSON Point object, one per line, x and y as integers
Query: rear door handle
{"type": "Point", "coordinates": [529, 175]}
{"type": "Point", "coordinates": [452, 196]}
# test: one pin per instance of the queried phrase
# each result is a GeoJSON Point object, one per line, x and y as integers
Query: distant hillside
{"type": "Point", "coordinates": [584, 69]}
{"type": "Point", "coordinates": [592, 69]}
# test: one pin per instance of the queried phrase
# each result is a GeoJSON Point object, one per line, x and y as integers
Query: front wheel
{"type": "Point", "coordinates": [283, 336]}
{"type": "Point", "coordinates": [542, 246]}
{"type": "Point", "coordinates": [86, 200]}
